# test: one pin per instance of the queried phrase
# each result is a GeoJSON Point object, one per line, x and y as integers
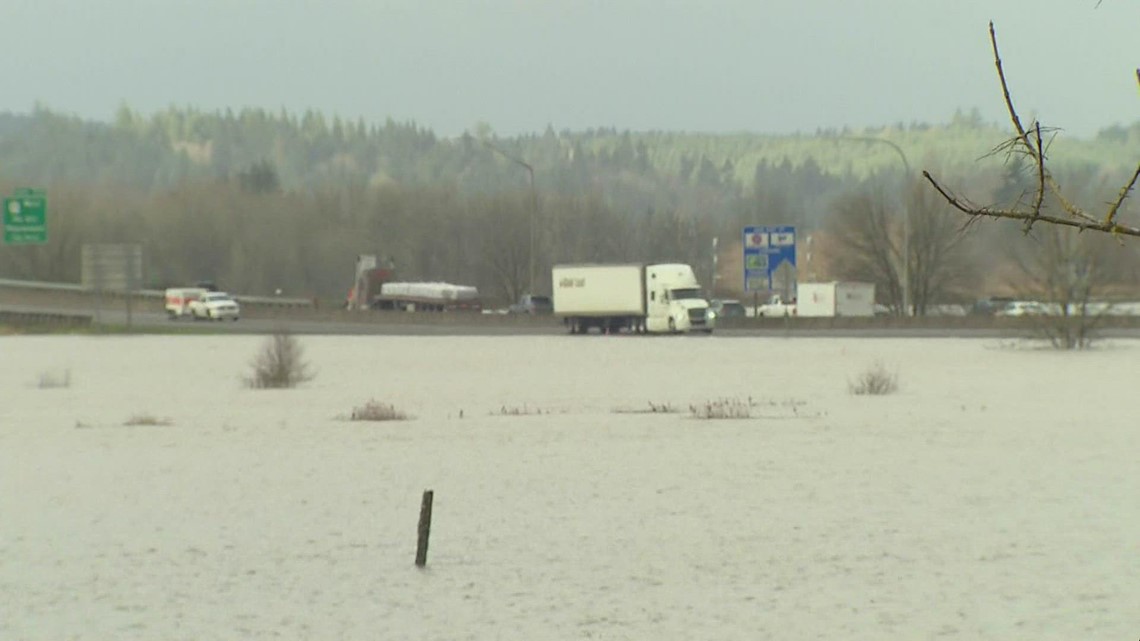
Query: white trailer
{"type": "Point", "coordinates": [835, 299]}
{"type": "Point", "coordinates": [634, 297]}
{"type": "Point", "coordinates": [436, 297]}
{"type": "Point", "coordinates": [178, 301]}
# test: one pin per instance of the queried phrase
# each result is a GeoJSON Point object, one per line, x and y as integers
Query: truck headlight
{"type": "Point", "coordinates": [710, 314]}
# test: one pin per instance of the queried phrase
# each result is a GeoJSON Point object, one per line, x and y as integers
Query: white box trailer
{"type": "Point", "coordinates": [177, 301]}
{"type": "Point", "coordinates": [835, 299]}
{"type": "Point", "coordinates": [599, 290]}
{"type": "Point", "coordinates": [632, 296]}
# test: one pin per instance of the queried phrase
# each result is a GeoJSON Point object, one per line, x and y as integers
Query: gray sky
{"type": "Point", "coordinates": [704, 65]}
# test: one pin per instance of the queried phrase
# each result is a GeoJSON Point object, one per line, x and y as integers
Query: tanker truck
{"type": "Point", "coordinates": [632, 297]}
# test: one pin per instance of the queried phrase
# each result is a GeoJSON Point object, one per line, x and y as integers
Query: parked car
{"type": "Point", "coordinates": [215, 306]}
{"type": "Point", "coordinates": [532, 304]}
{"type": "Point", "coordinates": [947, 309]}
{"type": "Point", "coordinates": [728, 308]}
{"type": "Point", "coordinates": [1022, 308]}
{"type": "Point", "coordinates": [990, 306]}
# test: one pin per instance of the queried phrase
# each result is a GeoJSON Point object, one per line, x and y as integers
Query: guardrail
{"type": "Point", "coordinates": [155, 294]}
{"type": "Point", "coordinates": [32, 284]}
{"type": "Point", "coordinates": [37, 319]}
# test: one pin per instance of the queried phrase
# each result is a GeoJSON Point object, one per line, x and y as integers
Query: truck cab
{"type": "Point", "coordinates": [675, 303]}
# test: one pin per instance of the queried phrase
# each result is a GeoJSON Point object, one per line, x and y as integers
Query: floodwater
{"type": "Point", "coordinates": [994, 496]}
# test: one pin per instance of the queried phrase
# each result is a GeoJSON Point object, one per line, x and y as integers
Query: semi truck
{"type": "Point", "coordinates": [835, 299]}
{"type": "Point", "coordinates": [633, 297]}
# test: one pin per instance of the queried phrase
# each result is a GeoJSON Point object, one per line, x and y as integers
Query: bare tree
{"type": "Point", "coordinates": [1029, 142]}
{"type": "Point", "coordinates": [866, 231]}
{"type": "Point", "coordinates": [506, 244]}
{"type": "Point", "coordinates": [280, 364]}
{"type": "Point", "coordinates": [941, 261]}
{"type": "Point", "coordinates": [872, 237]}
{"type": "Point", "coordinates": [1067, 271]}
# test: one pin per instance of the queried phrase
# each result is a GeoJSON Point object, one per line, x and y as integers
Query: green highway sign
{"type": "Point", "coordinates": [25, 218]}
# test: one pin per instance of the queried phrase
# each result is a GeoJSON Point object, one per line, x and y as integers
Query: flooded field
{"type": "Point", "coordinates": [994, 496]}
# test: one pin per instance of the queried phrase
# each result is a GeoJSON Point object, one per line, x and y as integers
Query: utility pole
{"type": "Point", "coordinates": [533, 206]}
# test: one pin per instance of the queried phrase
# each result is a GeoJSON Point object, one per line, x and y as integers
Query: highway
{"type": "Point", "coordinates": [459, 324]}
{"type": "Point", "coordinates": [146, 316]}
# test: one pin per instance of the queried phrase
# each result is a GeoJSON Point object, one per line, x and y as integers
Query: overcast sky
{"type": "Point", "coordinates": [763, 66]}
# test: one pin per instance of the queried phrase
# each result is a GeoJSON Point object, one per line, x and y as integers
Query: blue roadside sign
{"type": "Point", "coordinates": [766, 248]}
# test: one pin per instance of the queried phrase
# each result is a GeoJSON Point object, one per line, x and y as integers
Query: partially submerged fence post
{"type": "Point", "coordinates": [425, 529]}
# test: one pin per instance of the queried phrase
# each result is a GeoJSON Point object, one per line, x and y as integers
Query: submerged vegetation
{"type": "Point", "coordinates": [876, 380]}
{"type": "Point", "coordinates": [375, 411]}
{"type": "Point", "coordinates": [280, 364]}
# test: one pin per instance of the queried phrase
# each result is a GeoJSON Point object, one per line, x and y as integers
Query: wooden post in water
{"type": "Point", "coordinates": [425, 529]}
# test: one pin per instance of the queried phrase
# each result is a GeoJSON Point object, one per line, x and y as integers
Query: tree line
{"type": "Point", "coordinates": [260, 202]}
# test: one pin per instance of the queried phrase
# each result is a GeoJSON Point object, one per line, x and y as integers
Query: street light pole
{"type": "Point", "coordinates": [715, 268]}
{"type": "Point", "coordinates": [905, 276]}
{"type": "Point", "coordinates": [533, 230]}
{"type": "Point", "coordinates": [533, 206]}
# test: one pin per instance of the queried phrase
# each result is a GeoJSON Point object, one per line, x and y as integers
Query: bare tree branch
{"type": "Point", "coordinates": [1005, 92]}
{"type": "Point", "coordinates": [1040, 157]}
{"type": "Point", "coordinates": [1123, 194]}
{"type": "Point", "coordinates": [1031, 145]}
{"type": "Point", "coordinates": [987, 212]}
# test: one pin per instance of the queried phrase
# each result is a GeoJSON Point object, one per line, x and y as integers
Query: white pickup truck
{"type": "Point", "coordinates": [776, 307]}
{"type": "Point", "coordinates": [214, 306]}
